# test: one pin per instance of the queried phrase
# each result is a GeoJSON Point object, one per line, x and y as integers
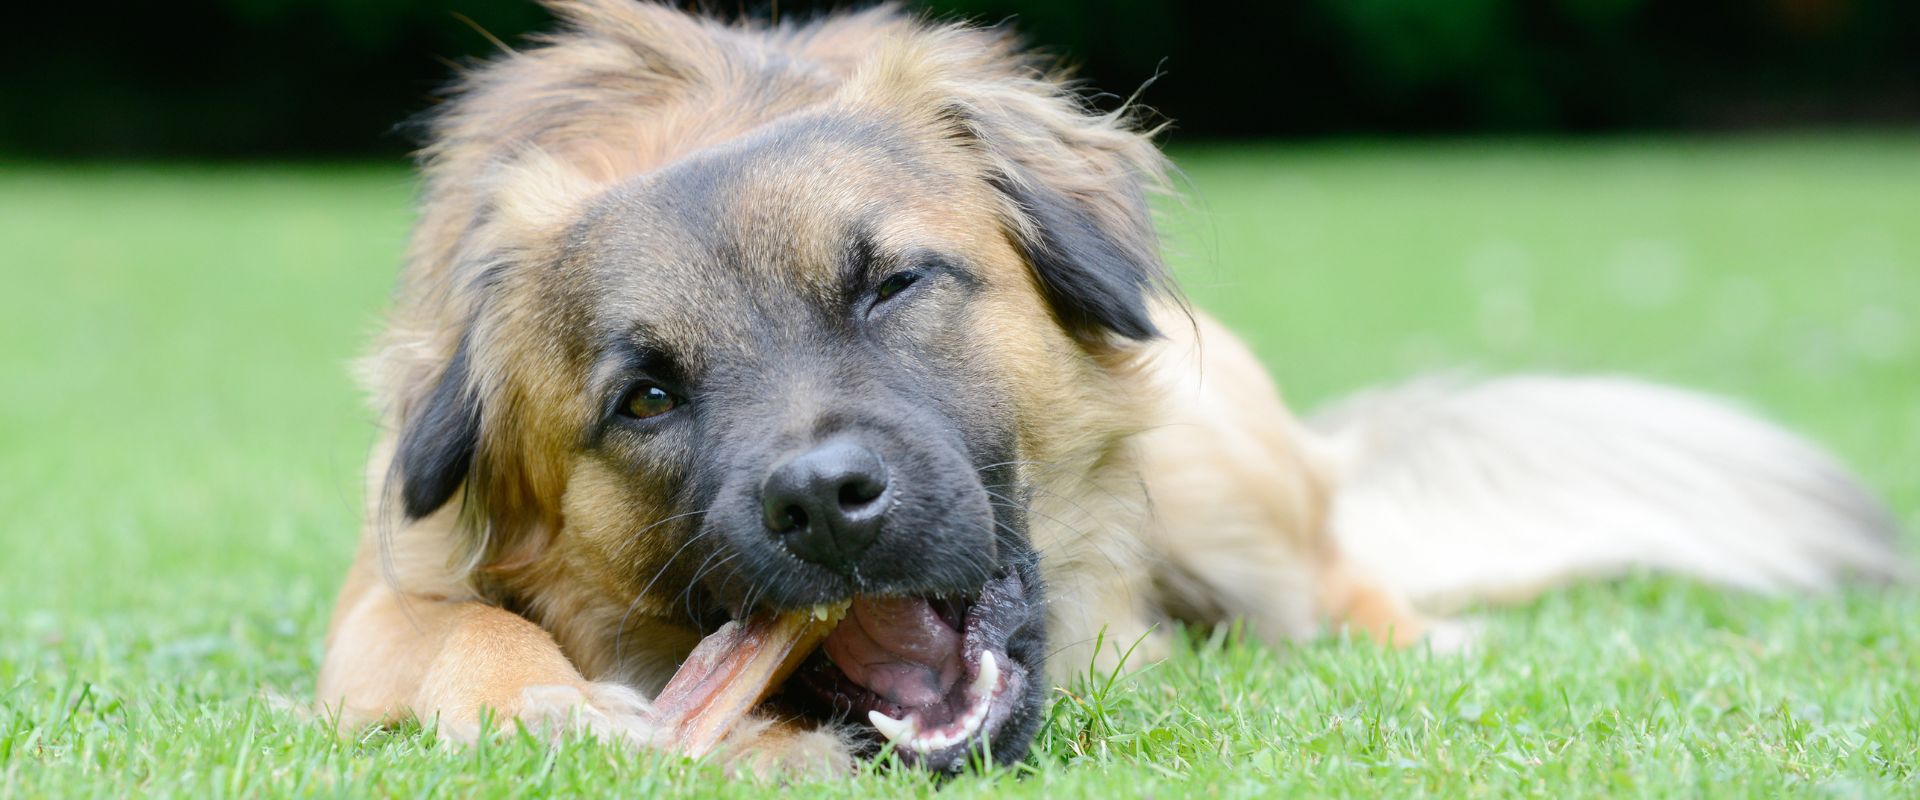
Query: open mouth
{"type": "Point", "coordinates": [931, 676]}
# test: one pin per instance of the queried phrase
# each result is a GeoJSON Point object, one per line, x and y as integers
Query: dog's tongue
{"type": "Point", "coordinates": [900, 649]}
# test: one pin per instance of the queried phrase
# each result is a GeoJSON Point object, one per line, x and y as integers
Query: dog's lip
{"type": "Point", "coordinates": [901, 669]}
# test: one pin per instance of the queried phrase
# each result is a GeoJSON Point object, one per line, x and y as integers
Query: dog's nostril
{"type": "Point", "coordinates": [860, 491]}
{"type": "Point", "coordinates": [787, 520]}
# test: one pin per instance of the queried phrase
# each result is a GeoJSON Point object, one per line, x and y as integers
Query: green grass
{"type": "Point", "coordinates": [179, 446]}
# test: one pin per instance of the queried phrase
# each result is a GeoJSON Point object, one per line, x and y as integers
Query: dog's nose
{"type": "Point", "coordinates": [825, 504]}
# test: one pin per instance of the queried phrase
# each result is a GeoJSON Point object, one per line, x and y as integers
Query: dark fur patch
{"type": "Point", "coordinates": [1093, 280]}
{"type": "Point", "coordinates": [438, 443]}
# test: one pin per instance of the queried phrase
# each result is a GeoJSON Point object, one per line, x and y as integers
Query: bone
{"type": "Point", "coordinates": [732, 671]}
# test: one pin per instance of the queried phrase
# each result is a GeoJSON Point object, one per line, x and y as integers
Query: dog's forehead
{"type": "Point", "coordinates": [757, 232]}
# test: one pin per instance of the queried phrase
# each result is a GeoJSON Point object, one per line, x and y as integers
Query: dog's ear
{"type": "Point", "coordinates": [1076, 183]}
{"type": "Point", "coordinates": [1097, 280]}
{"type": "Point", "coordinates": [438, 440]}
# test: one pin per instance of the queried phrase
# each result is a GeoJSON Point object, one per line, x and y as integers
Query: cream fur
{"type": "Point", "coordinates": [1456, 492]}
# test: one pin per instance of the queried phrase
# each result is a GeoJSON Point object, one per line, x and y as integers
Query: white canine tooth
{"type": "Point", "coordinates": [988, 677]}
{"type": "Point", "coordinates": [898, 731]}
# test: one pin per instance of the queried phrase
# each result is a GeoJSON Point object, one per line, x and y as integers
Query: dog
{"type": "Point", "coordinates": [705, 319]}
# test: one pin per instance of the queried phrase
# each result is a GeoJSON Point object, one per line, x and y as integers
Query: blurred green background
{"type": "Point", "coordinates": [303, 78]}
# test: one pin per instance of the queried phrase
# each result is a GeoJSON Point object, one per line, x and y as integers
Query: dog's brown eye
{"type": "Point", "coordinates": [648, 400]}
{"type": "Point", "coordinates": [895, 284]}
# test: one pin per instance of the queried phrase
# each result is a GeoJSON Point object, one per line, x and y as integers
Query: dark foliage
{"type": "Point", "coordinates": [332, 77]}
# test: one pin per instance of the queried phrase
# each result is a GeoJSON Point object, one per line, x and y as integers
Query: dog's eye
{"type": "Point", "coordinates": [647, 400]}
{"type": "Point", "coordinates": [894, 284]}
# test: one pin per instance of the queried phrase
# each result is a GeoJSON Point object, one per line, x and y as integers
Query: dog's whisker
{"type": "Point", "coordinates": [694, 584]}
{"type": "Point", "coordinates": [686, 592]}
{"type": "Point", "coordinates": [620, 633]}
{"type": "Point", "coordinates": [1014, 463]}
{"type": "Point", "coordinates": [697, 536]}
{"type": "Point", "coordinates": [1080, 534]}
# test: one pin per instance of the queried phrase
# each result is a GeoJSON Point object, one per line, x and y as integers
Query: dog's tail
{"type": "Point", "coordinates": [1492, 491]}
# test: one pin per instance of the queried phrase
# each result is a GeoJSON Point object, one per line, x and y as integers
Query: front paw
{"type": "Point", "coordinates": [758, 747]}
{"type": "Point", "coordinates": [608, 711]}
{"type": "Point", "coordinates": [769, 749]}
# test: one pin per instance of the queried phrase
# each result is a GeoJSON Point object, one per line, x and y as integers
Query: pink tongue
{"type": "Point", "coordinates": [899, 649]}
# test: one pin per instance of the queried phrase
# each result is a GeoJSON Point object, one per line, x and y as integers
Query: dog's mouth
{"type": "Point", "coordinates": [931, 676]}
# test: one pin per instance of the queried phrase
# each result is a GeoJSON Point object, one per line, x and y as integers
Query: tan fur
{"type": "Point", "coordinates": [1169, 480]}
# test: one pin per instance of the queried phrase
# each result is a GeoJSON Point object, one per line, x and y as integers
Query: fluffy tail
{"type": "Point", "coordinates": [1494, 491]}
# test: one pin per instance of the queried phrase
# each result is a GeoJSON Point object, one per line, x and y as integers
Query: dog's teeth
{"type": "Point", "coordinates": [970, 723]}
{"type": "Point", "coordinates": [989, 675]}
{"type": "Point", "coordinates": [905, 733]}
{"type": "Point", "coordinates": [898, 731]}
{"type": "Point", "coordinates": [936, 743]}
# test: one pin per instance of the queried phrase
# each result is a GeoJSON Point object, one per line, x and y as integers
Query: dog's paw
{"type": "Point", "coordinates": [612, 713]}
{"type": "Point", "coordinates": [609, 712]}
{"type": "Point", "coordinates": [552, 711]}
{"type": "Point", "coordinates": [767, 749]}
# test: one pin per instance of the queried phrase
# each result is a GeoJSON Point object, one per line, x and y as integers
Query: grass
{"type": "Point", "coordinates": [179, 445]}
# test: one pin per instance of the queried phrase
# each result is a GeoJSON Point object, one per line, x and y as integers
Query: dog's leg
{"type": "Point", "coordinates": [1360, 605]}
{"type": "Point", "coordinates": [461, 665]}
{"type": "Point", "coordinates": [452, 663]}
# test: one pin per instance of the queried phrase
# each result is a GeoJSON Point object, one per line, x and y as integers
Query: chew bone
{"type": "Point", "coordinates": [734, 669]}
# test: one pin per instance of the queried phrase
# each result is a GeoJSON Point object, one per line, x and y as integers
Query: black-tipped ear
{"type": "Point", "coordinates": [438, 443]}
{"type": "Point", "coordinates": [1096, 280]}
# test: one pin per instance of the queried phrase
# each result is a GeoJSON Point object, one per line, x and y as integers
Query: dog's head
{"type": "Point", "coordinates": [708, 323]}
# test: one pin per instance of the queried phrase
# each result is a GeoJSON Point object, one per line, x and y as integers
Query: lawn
{"type": "Point", "coordinates": [179, 444]}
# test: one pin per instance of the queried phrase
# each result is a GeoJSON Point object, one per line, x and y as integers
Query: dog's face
{"type": "Point", "coordinates": [784, 380]}
{"type": "Point", "coordinates": [782, 335]}
{"type": "Point", "coordinates": [806, 365]}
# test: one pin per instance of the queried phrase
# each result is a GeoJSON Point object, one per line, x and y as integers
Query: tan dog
{"type": "Point", "coordinates": [702, 321]}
